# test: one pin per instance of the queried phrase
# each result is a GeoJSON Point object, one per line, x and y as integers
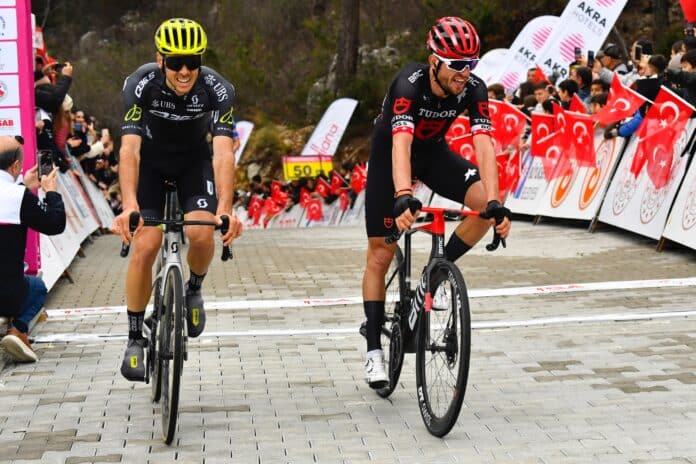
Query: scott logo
{"type": "Point", "coordinates": [134, 114]}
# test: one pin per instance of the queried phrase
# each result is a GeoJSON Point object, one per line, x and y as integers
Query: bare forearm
{"type": "Point", "coordinates": [401, 164]}
{"type": "Point", "coordinates": [128, 177]}
{"type": "Point", "coordinates": [224, 170]}
{"type": "Point", "coordinates": [488, 168]}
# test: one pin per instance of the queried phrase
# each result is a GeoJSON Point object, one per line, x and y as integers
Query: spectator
{"type": "Point", "coordinates": [49, 96]}
{"type": "Point", "coordinates": [583, 77]}
{"type": "Point", "coordinates": [566, 90]}
{"type": "Point", "coordinates": [23, 296]}
{"type": "Point", "coordinates": [684, 81]}
{"type": "Point", "coordinates": [609, 61]}
{"type": "Point", "coordinates": [496, 92]}
{"type": "Point", "coordinates": [597, 102]}
{"type": "Point", "coordinates": [675, 56]}
{"type": "Point", "coordinates": [541, 94]}
{"type": "Point", "coordinates": [598, 86]}
{"type": "Point", "coordinates": [527, 87]}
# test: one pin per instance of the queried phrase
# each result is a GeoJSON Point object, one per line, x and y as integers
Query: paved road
{"type": "Point", "coordinates": [593, 375]}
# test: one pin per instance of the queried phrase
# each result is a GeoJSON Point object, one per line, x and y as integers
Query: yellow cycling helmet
{"type": "Point", "coordinates": [180, 36]}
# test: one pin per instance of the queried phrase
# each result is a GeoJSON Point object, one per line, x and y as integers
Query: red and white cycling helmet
{"type": "Point", "coordinates": [454, 38]}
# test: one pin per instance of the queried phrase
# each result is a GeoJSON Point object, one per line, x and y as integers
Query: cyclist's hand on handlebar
{"type": "Point", "coordinates": [499, 215]}
{"type": "Point", "coordinates": [121, 225]}
{"type": "Point", "coordinates": [234, 231]}
{"type": "Point", "coordinates": [406, 209]}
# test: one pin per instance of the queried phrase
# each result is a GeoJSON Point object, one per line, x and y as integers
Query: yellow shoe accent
{"type": "Point", "coordinates": [194, 317]}
{"type": "Point", "coordinates": [134, 362]}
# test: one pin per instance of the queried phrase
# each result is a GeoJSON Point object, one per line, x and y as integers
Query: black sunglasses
{"type": "Point", "coordinates": [175, 63]}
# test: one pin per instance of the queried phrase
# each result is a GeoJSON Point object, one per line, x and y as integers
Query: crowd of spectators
{"type": "Point", "coordinates": [590, 77]}
{"type": "Point", "coordinates": [68, 135]}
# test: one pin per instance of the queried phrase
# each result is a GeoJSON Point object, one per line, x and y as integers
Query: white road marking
{"type": "Point", "coordinates": [342, 331]}
{"type": "Point", "coordinates": [352, 300]}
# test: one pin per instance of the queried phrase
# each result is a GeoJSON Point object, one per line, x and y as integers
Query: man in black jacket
{"type": "Point", "coordinates": [23, 296]}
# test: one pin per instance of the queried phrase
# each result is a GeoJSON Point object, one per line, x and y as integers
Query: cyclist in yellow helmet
{"type": "Point", "coordinates": [170, 107]}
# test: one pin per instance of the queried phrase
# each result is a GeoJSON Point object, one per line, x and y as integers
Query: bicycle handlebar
{"type": "Point", "coordinates": [495, 243]}
{"type": "Point", "coordinates": [134, 220]}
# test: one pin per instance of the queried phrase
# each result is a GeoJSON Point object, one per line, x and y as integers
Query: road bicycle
{"type": "Point", "coordinates": [166, 330]}
{"type": "Point", "coordinates": [433, 321]}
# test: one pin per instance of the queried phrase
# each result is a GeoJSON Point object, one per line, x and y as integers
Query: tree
{"type": "Point", "coordinates": [347, 59]}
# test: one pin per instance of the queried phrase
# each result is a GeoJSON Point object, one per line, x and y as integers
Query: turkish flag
{"type": "Point", "coordinates": [621, 103]}
{"type": "Point", "coordinates": [663, 124]}
{"type": "Point", "coordinates": [539, 76]}
{"type": "Point", "coordinates": [508, 122]}
{"type": "Point", "coordinates": [323, 188]}
{"type": "Point", "coordinates": [255, 207]}
{"type": "Point", "coordinates": [277, 192]}
{"type": "Point", "coordinates": [542, 126]}
{"type": "Point", "coordinates": [314, 212]}
{"type": "Point", "coordinates": [512, 171]}
{"type": "Point", "coordinates": [336, 182]}
{"type": "Point", "coordinates": [553, 156]}
{"type": "Point", "coordinates": [344, 199]}
{"type": "Point", "coordinates": [304, 196]}
{"type": "Point", "coordinates": [580, 131]}
{"type": "Point", "coordinates": [562, 128]}
{"type": "Point", "coordinates": [689, 9]}
{"type": "Point", "coordinates": [577, 105]}
{"type": "Point", "coordinates": [359, 178]}
{"type": "Point", "coordinates": [272, 207]}
{"type": "Point", "coordinates": [460, 140]}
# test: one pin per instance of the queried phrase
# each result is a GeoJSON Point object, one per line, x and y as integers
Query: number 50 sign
{"type": "Point", "coordinates": [296, 167]}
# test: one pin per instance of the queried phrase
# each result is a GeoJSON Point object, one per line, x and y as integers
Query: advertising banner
{"type": "Point", "coordinates": [584, 24]}
{"type": "Point", "coordinates": [531, 187]}
{"type": "Point", "coordinates": [578, 194]}
{"type": "Point", "coordinates": [633, 203]}
{"type": "Point", "coordinates": [681, 225]}
{"type": "Point", "coordinates": [492, 64]}
{"type": "Point", "coordinates": [244, 129]}
{"type": "Point", "coordinates": [525, 50]}
{"type": "Point", "coordinates": [328, 133]}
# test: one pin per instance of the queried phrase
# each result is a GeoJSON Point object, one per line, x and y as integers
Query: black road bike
{"type": "Point", "coordinates": [431, 320]}
{"type": "Point", "coordinates": [166, 331]}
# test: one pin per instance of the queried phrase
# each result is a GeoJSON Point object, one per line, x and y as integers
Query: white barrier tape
{"type": "Point", "coordinates": [351, 300]}
{"type": "Point", "coordinates": [542, 321]}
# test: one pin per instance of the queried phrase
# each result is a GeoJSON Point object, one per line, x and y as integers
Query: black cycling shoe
{"type": "Point", "coordinates": [195, 314]}
{"type": "Point", "coordinates": [133, 366]}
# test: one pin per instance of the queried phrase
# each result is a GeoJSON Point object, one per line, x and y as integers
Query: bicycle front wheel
{"type": "Point", "coordinates": [444, 348]}
{"type": "Point", "coordinates": [171, 350]}
{"type": "Point", "coordinates": [153, 362]}
{"type": "Point", "coordinates": [392, 336]}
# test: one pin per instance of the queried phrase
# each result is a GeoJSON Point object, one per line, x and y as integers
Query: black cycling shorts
{"type": "Point", "coordinates": [194, 181]}
{"type": "Point", "coordinates": [445, 172]}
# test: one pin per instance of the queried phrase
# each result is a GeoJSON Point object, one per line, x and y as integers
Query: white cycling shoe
{"type": "Point", "coordinates": [375, 375]}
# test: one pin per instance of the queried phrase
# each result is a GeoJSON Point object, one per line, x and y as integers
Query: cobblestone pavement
{"type": "Point", "coordinates": [598, 391]}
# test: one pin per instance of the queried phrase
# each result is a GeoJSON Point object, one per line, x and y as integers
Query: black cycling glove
{"type": "Point", "coordinates": [405, 202]}
{"type": "Point", "coordinates": [494, 209]}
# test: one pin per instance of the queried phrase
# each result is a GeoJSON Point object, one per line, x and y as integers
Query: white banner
{"type": "Point", "coordinates": [528, 194]}
{"type": "Point", "coordinates": [244, 129]}
{"type": "Point", "coordinates": [357, 213]}
{"type": "Point", "coordinates": [525, 51]}
{"type": "Point", "coordinates": [633, 203]}
{"type": "Point", "coordinates": [492, 65]}
{"type": "Point", "coordinates": [328, 133]}
{"type": "Point", "coordinates": [584, 24]}
{"type": "Point", "coordinates": [579, 194]}
{"type": "Point", "coordinates": [680, 225]}
{"type": "Point", "coordinates": [52, 265]}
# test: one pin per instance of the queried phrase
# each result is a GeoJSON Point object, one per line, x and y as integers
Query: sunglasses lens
{"type": "Point", "coordinates": [461, 65]}
{"type": "Point", "coordinates": [175, 63]}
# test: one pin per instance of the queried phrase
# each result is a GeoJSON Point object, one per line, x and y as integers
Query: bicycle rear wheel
{"type": "Point", "coordinates": [171, 350]}
{"type": "Point", "coordinates": [444, 348]}
{"type": "Point", "coordinates": [392, 336]}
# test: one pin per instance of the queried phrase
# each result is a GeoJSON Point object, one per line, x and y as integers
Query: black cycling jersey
{"type": "Point", "coordinates": [177, 124]}
{"type": "Point", "coordinates": [410, 106]}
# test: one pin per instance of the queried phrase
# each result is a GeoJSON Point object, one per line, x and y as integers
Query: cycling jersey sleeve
{"type": "Point", "coordinates": [404, 95]}
{"type": "Point", "coordinates": [478, 108]}
{"type": "Point", "coordinates": [222, 97]}
{"type": "Point", "coordinates": [132, 98]}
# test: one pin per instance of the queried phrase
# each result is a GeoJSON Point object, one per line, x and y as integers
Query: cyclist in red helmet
{"type": "Point", "coordinates": [408, 141]}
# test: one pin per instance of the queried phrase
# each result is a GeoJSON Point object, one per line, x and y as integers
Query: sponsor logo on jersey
{"type": "Point", "coordinates": [133, 114]}
{"type": "Point", "coordinates": [177, 117]}
{"type": "Point", "coordinates": [218, 88]}
{"type": "Point", "coordinates": [143, 82]}
{"type": "Point", "coordinates": [388, 222]}
{"type": "Point", "coordinates": [163, 104]}
{"type": "Point", "coordinates": [415, 76]}
{"type": "Point", "coordinates": [483, 109]}
{"type": "Point", "coordinates": [426, 113]}
{"type": "Point", "coordinates": [228, 118]}
{"type": "Point", "coordinates": [429, 128]}
{"type": "Point", "coordinates": [401, 105]}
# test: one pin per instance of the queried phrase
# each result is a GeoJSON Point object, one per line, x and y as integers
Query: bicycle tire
{"type": "Point", "coordinates": [171, 350]}
{"type": "Point", "coordinates": [392, 335]}
{"type": "Point", "coordinates": [154, 363]}
{"type": "Point", "coordinates": [444, 347]}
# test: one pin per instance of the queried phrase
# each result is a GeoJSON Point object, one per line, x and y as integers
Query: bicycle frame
{"type": "Point", "coordinates": [169, 256]}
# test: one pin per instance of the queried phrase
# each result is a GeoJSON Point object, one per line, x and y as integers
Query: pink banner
{"type": "Point", "coordinates": [17, 93]}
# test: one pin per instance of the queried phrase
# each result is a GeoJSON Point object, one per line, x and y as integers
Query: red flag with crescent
{"type": "Point", "coordinates": [580, 131]}
{"type": "Point", "coordinates": [460, 140]}
{"type": "Point", "coordinates": [323, 188]}
{"type": "Point", "coordinates": [314, 212]}
{"type": "Point", "coordinates": [508, 122]}
{"type": "Point", "coordinates": [621, 103]}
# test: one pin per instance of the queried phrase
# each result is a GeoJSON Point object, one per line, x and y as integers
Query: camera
{"type": "Point", "coordinates": [45, 163]}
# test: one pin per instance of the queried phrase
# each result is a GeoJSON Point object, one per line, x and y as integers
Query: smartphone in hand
{"type": "Point", "coordinates": [45, 163]}
{"type": "Point", "coordinates": [590, 59]}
